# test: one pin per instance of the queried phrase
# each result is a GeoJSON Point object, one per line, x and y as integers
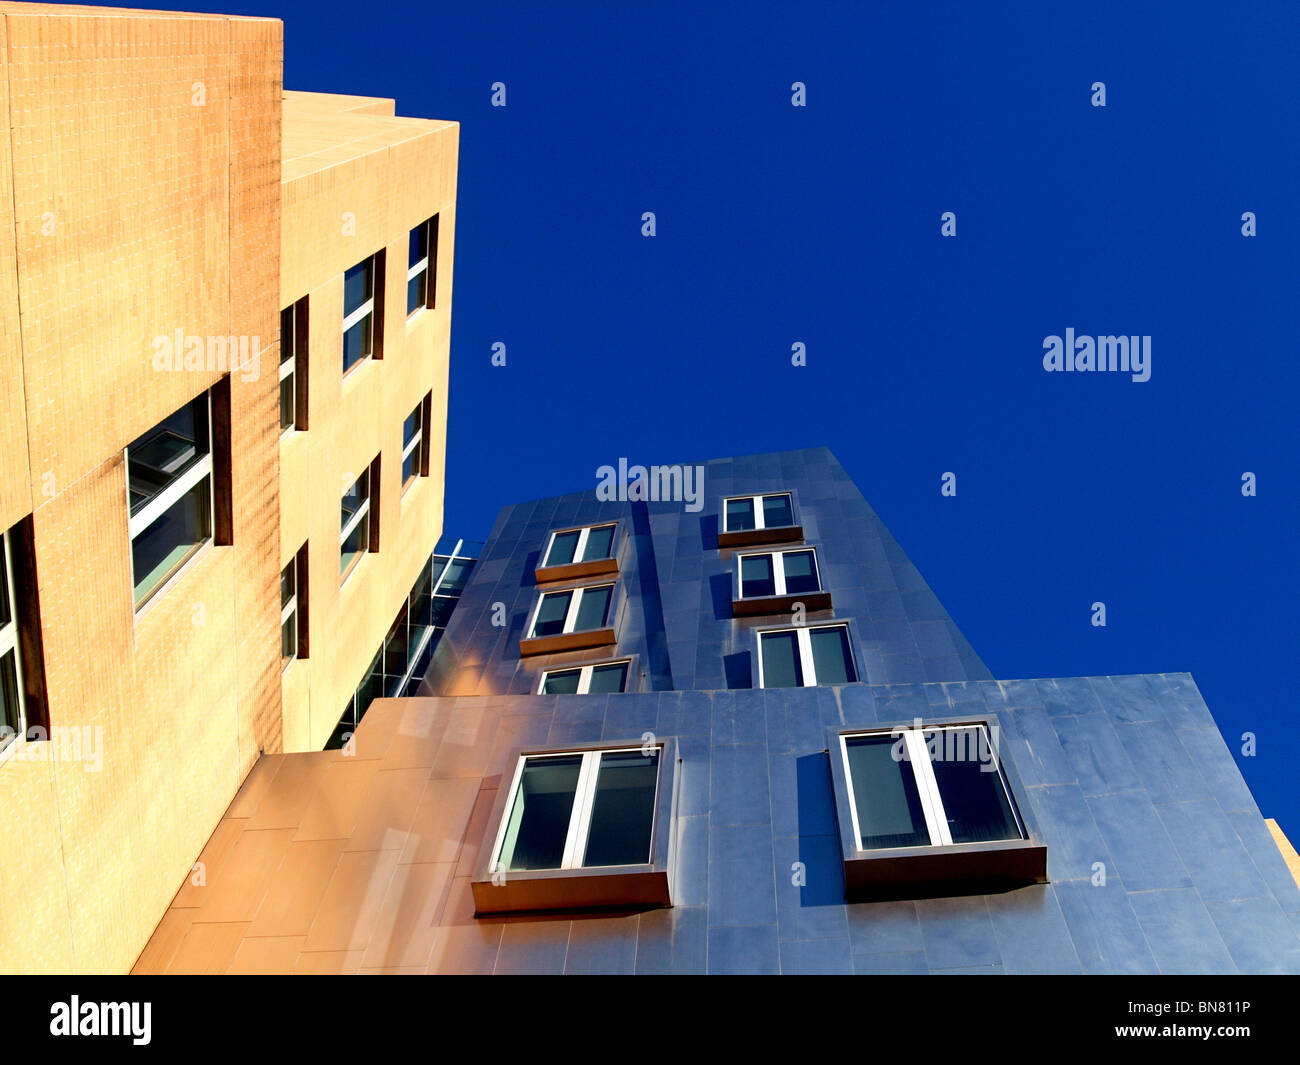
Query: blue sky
{"type": "Point", "coordinates": [822, 225]}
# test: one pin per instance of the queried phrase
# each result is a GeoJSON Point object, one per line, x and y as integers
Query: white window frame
{"type": "Point", "coordinates": [803, 637]}
{"type": "Point", "coordinates": [585, 674]}
{"type": "Point", "coordinates": [138, 522]}
{"type": "Point", "coordinates": [367, 308]}
{"type": "Point", "coordinates": [414, 271]}
{"type": "Point", "coordinates": [758, 510]}
{"type": "Point", "coordinates": [9, 642]}
{"type": "Point", "coordinates": [927, 785]}
{"type": "Point", "coordinates": [581, 546]}
{"type": "Point", "coordinates": [571, 615]}
{"type": "Point", "coordinates": [415, 441]}
{"type": "Point", "coordinates": [575, 842]}
{"type": "Point", "coordinates": [778, 570]}
{"type": "Point", "coordinates": [346, 530]}
{"type": "Point", "coordinates": [290, 610]}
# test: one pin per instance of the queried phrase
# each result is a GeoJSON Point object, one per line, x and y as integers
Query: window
{"type": "Point", "coordinates": [804, 656]}
{"type": "Point", "coordinates": [169, 484]}
{"type": "Point", "coordinates": [363, 311]}
{"type": "Point", "coordinates": [293, 366]}
{"type": "Point", "coordinates": [354, 526]}
{"type": "Point", "coordinates": [779, 573]}
{"type": "Point", "coordinates": [288, 613]}
{"type": "Point", "coordinates": [421, 266]}
{"type": "Point", "coordinates": [585, 680]}
{"type": "Point", "coordinates": [574, 610]}
{"type": "Point", "coordinates": [580, 828]}
{"type": "Point", "coordinates": [590, 544]}
{"type": "Point", "coordinates": [413, 464]}
{"type": "Point", "coordinates": [13, 717]}
{"type": "Point", "coordinates": [746, 513]}
{"type": "Point", "coordinates": [930, 804]}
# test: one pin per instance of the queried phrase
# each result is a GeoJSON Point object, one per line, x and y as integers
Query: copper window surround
{"type": "Point", "coordinates": [573, 571]}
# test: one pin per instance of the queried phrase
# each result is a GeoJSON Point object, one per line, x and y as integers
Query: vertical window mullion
{"type": "Point", "coordinates": [928, 788]}
{"type": "Point", "coordinates": [778, 571]}
{"type": "Point", "coordinates": [513, 796]}
{"type": "Point", "coordinates": [584, 680]}
{"type": "Point", "coordinates": [580, 818]}
{"type": "Point", "coordinates": [758, 512]}
{"type": "Point", "coordinates": [581, 546]}
{"type": "Point", "coordinates": [571, 616]}
{"type": "Point", "coordinates": [806, 656]}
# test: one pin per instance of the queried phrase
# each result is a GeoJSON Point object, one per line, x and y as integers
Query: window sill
{"type": "Point", "coordinates": [958, 869]}
{"type": "Point", "coordinates": [573, 571]}
{"type": "Point", "coordinates": [750, 537]}
{"type": "Point", "coordinates": [353, 566]}
{"type": "Point", "coordinates": [193, 561]}
{"type": "Point", "coordinates": [568, 641]}
{"type": "Point", "coordinates": [356, 371]}
{"type": "Point", "coordinates": [779, 604]}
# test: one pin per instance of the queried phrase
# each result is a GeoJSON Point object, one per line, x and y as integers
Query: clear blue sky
{"type": "Point", "coordinates": [822, 225]}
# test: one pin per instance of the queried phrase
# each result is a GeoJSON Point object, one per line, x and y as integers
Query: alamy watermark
{"type": "Point", "coordinates": [219, 354]}
{"type": "Point", "coordinates": [655, 484]}
{"type": "Point", "coordinates": [65, 743]}
{"type": "Point", "coordinates": [1129, 354]}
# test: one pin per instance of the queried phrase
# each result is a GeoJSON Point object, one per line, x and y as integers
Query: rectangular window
{"type": "Point", "coordinates": [363, 288]}
{"type": "Point", "coordinates": [776, 573]}
{"type": "Point", "coordinates": [170, 497]}
{"type": "Point", "coordinates": [747, 513]}
{"type": "Point", "coordinates": [412, 449]}
{"type": "Point", "coordinates": [574, 610]}
{"type": "Point", "coordinates": [804, 656]}
{"type": "Point", "coordinates": [354, 527]}
{"type": "Point", "coordinates": [293, 366]}
{"type": "Point", "coordinates": [288, 614]}
{"type": "Point", "coordinates": [580, 810]}
{"type": "Point", "coordinates": [596, 679]}
{"type": "Point", "coordinates": [918, 787]}
{"type": "Point", "coordinates": [420, 271]}
{"type": "Point", "coordinates": [13, 718]}
{"type": "Point", "coordinates": [589, 544]}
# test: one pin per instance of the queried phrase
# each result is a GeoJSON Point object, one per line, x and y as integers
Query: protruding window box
{"type": "Point", "coordinates": [931, 811]}
{"type": "Point", "coordinates": [578, 553]}
{"type": "Point", "coordinates": [570, 619]}
{"type": "Point", "coordinates": [772, 582]}
{"type": "Point", "coordinates": [759, 519]}
{"type": "Point", "coordinates": [587, 828]}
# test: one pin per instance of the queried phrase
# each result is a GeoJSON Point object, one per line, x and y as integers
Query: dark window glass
{"type": "Point", "coordinates": [355, 543]}
{"type": "Point", "coordinates": [562, 683]}
{"type": "Point", "coordinates": [777, 513]}
{"type": "Point", "coordinates": [884, 793]}
{"type": "Point", "coordinates": [358, 286]}
{"type": "Point", "coordinates": [157, 458]}
{"type": "Point", "coordinates": [832, 659]}
{"type": "Point", "coordinates": [599, 541]}
{"type": "Point", "coordinates": [286, 402]}
{"type": "Point", "coordinates": [286, 585]}
{"type": "Point", "coordinates": [538, 825]}
{"type": "Point", "coordinates": [551, 614]}
{"type": "Point", "coordinates": [781, 668]}
{"type": "Point", "coordinates": [419, 244]}
{"type": "Point", "coordinates": [288, 340]}
{"type": "Point", "coordinates": [740, 515]}
{"type": "Point", "coordinates": [289, 636]}
{"type": "Point", "coordinates": [416, 292]}
{"type": "Point", "coordinates": [800, 572]}
{"type": "Point", "coordinates": [372, 687]}
{"type": "Point", "coordinates": [458, 570]}
{"type": "Point", "coordinates": [397, 651]}
{"type": "Point", "coordinates": [970, 786]}
{"type": "Point", "coordinates": [410, 427]}
{"type": "Point", "coordinates": [411, 466]}
{"type": "Point", "coordinates": [592, 609]}
{"type": "Point", "coordinates": [356, 343]}
{"type": "Point", "coordinates": [756, 577]}
{"type": "Point", "coordinates": [442, 608]}
{"type": "Point", "coordinates": [10, 718]}
{"type": "Point", "coordinates": [5, 615]}
{"type": "Point", "coordinates": [608, 678]}
{"type": "Point", "coordinates": [622, 810]}
{"type": "Point", "coordinates": [562, 549]}
{"type": "Point", "coordinates": [161, 549]}
{"type": "Point", "coordinates": [439, 564]}
{"type": "Point", "coordinates": [421, 605]}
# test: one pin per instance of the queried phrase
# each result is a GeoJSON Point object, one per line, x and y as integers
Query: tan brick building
{"type": "Point", "coordinates": [192, 573]}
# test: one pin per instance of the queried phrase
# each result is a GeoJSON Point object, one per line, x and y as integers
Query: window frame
{"type": "Point", "coordinates": [426, 266]}
{"type": "Point", "coordinates": [781, 600]}
{"type": "Point", "coordinates": [10, 642]}
{"type": "Point", "coordinates": [571, 613]}
{"type": "Point", "coordinates": [940, 867]}
{"type": "Point", "coordinates": [346, 528]}
{"type": "Point", "coordinates": [288, 369]}
{"type": "Point", "coordinates": [761, 533]}
{"type": "Point", "coordinates": [758, 511]}
{"type": "Point", "coordinates": [575, 570]}
{"type": "Point", "coordinates": [290, 610]}
{"type": "Point", "coordinates": [416, 444]}
{"type": "Point", "coordinates": [372, 307]}
{"type": "Point", "coordinates": [803, 636]}
{"type": "Point", "coordinates": [576, 887]}
{"type": "Point", "coordinates": [157, 507]}
{"type": "Point", "coordinates": [585, 673]}
{"type": "Point", "coordinates": [570, 639]}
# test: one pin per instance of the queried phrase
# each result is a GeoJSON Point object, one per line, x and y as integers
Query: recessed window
{"type": "Point", "coordinates": [13, 715]}
{"type": "Point", "coordinates": [585, 680]}
{"type": "Point", "coordinates": [412, 446]}
{"type": "Point", "coordinates": [573, 610]}
{"type": "Point", "coordinates": [293, 366]}
{"type": "Point", "coordinates": [778, 573]}
{"type": "Point", "coordinates": [745, 513]}
{"type": "Point", "coordinates": [930, 804]}
{"type": "Point", "coordinates": [580, 829]}
{"type": "Point", "coordinates": [288, 614]}
{"type": "Point", "coordinates": [804, 656]}
{"type": "Point", "coordinates": [363, 311]}
{"type": "Point", "coordinates": [420, 271]}
{"type": "Point", "coordinates": [169, 484]}
{"type": "Point", "coordinates": [589, 544]}
{"type": "Point", "coordinates": [354, 528]}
